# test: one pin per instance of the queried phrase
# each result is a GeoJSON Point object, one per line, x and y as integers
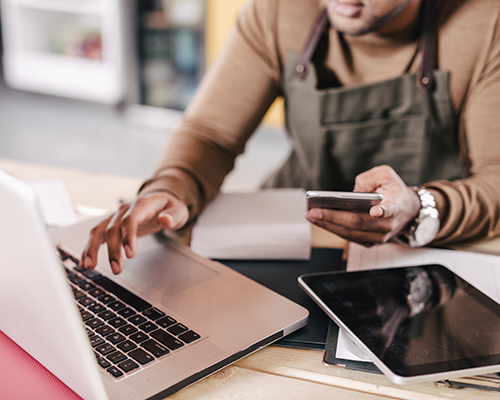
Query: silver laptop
{"type": "Point", "coordinates": [170, 319]}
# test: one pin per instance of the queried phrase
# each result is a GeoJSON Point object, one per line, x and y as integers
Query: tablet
{"type": "Point", "coordinates": [415, 323]}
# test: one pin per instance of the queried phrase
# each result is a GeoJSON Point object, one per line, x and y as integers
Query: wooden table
{"type": "Point", "coordinates": [273, 372]}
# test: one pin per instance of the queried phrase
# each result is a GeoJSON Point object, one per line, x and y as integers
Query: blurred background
{"type": "Point", "coordinates": [102, 84]}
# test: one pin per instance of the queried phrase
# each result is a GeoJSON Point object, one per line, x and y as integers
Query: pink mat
{"type": "Point", "coordinates": [24, 378]}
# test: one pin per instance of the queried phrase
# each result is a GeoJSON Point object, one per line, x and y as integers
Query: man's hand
{"type": "Point", "coordinates": [146, 214]}
{"type": "Point", "coordinates": [384, 221]}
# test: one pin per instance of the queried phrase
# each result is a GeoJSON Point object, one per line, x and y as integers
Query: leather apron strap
{"type": "Point", "coordinates": [308, 51]}
{"type": "Point", "coordinates": [427, 46]}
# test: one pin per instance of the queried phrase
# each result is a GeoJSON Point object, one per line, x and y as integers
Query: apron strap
{"type": "Point", "coordinates": [427, 45]}
{"type": "Point", "coordinates": [312, 43]}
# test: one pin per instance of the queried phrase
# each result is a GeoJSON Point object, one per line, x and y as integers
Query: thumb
{"type": "Point", "coordinates": [174, 217]}
{"type": "Point", "coordinates": [377, 211]}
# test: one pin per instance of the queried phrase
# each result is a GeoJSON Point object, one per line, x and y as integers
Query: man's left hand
{"type": "Point", "coordinates": [384, 221]}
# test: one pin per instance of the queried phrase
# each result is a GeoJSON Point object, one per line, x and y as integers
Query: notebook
{"type": "Point", "coordinates": [196, 315]}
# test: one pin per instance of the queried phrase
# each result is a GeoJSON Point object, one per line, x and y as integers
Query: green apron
{"type": "Point", "coordinates": [337, 132]}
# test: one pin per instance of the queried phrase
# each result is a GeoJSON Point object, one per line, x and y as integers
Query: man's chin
{"type": "Point", "coordinates": [352, 28]}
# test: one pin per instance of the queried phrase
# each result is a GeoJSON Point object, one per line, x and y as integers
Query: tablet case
{"type": "Point", "coordinates": [281, 276]}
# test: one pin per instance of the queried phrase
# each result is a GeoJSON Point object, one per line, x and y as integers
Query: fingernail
{"type": "Point", "coordinates": [315, 214]}
{"type": "Point", "coordinates": [88, 261]}
{"type": "Point", "coordinates": [128, 251]}
{"type": "Point", "coordinates": [170, 219]}
{"type": "Point", "coordinates": [379, 212]}
{"type": "Point", "coordinates": [115, 267]}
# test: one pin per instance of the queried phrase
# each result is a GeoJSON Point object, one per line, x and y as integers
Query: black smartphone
{"type": "Point", "coordinates": [350, 201]}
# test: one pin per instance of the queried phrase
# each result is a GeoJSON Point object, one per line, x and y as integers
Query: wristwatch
{"type": "Point", "coordinates": [425, 227]}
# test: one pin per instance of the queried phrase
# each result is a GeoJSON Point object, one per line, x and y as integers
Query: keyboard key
{"type": "Point", "coordinates": [107, 315]}
{"type": "Point", "coordinates": [78, 294]}
{"type": "Point", "coordinates": [76, 279]}
{"type": "Point", "coordinates": [189, 336]}
{"type": "Point", "coordinates": [128, 329]}
{"type": "Point", "coordinates": [116, 357]}
{"type": "Point", "coordinates": [126, 312]}
{"type": "Point", "coordinates": [97, 308]}
{"type": "Point", "coordinates": [167, 339]}
{"type": "Point", "coordinates": [89, 332]}
{"type": "Point", "coordinates": [94, 323]}
{"type": "Point", "coordinates": [128, 365]}
{"type": "Point", "coordinates": [115, 338]}
{"type": "Point", "coordinates": [126, 346]}
{"type": "Point", "coordinates": [106, 299]}
{"type": "Point", "coordinates": [106, 348]}
{"type": "Point", "coordinates": [154, 348]}
{"type": "Point", "coordinates": [141, 356]}
{"type": "Point", "coordinates": [97, 292]}
{"type": "Point", "coordinates": [116, 305]}
{"type": "Point", "coordinates": [153, 313]}
{"type": "Point", "coordinates": [90, 274]}
{"type": "Point", "coordinates": [166, 322]}
{"type": "Point", "coordinates": [139, 337]}
{"type": "Point", "coordinates": [137, 319]}
{"type": "Point", "coordinates": [177, 329]}
{"type": "Point", "coordinates": [86, 315]}
{"type": "Point", "coordinates": [117, 322]}
{"type": "Point", "coordinates": [103, 362]}
{"type": "Point", "coordinates": [86, 301]}
{"type": "Point", "coordinates": [115, 372]}
{"type": "Point", "coordinates": [86, 285]}
{"type": "Point", "coordinates": [96, 341]}
{"type": "Point", "coordinates": [148, 327]}
{"type": "Point", "coordinates": [105, 330]}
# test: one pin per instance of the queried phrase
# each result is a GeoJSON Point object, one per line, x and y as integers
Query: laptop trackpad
{"type": "Point", "coordinates": [166, 270]}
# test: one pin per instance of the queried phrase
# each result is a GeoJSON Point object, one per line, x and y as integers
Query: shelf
{"type": "Point", "coordinates": [81, 7]}
{"type": "Point", "coordinates": [81, 78]}
{"type": "Point", "coordinates": [71, 48]}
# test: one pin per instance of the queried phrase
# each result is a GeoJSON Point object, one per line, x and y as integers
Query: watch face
{"type": "Point", "coordinates": [428, 227]}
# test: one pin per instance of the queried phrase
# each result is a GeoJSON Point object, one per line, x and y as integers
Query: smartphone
{"type": "Point", "coordinates": [350, 201]}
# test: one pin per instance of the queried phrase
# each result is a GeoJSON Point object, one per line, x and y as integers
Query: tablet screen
{"type": "Point", "coordinates": [416, 320]}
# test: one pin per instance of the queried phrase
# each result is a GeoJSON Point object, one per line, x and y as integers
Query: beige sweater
{"type": "Point", "coordinates": [240, 86]}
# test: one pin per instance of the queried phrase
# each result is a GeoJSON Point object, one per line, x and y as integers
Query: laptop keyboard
{"type": "Point", "coordinates": [126, 332]}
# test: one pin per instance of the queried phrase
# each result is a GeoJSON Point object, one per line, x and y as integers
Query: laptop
{"type": "Point", "coordinates": [171, 318]}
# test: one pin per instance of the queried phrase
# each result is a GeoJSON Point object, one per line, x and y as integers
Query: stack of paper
{"type": "Point", "coordinates": [269, 224]}
{"type": "Point", "coordinates": [54, 202]}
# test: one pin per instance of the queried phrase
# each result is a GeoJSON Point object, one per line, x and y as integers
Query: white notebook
{"type": "Point", "coordinates": [268, 224]}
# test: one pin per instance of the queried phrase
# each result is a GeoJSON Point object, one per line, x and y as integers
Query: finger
{"type": "Point", "coordinates": [175, 215]}
{"type": "Point", "coordinates": [363, 237]}
{"type": "Point", "coordinates": [89, 256]}
{"type": "Point", "coordinates": [113, 238]}
{"type": "Point", "coordinates": [141, 212]}
{"type": "Point", "coordinates": [350, 220]}
{"type": "Point", "coordinates": [142, 218]}
{"type": "Point", "coordinates": [371, 180]}
{"type": "Point", "coordinates": [377, 211]}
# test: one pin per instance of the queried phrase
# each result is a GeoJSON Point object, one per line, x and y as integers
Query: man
{"type": "Point", "coordinates": [371, 105]}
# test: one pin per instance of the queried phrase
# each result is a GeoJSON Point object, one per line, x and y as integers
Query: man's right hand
{"type": "Point", "coordinates": [147, 214]}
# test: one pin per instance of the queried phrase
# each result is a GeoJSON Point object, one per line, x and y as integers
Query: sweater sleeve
{"type": "Point", "coordinates": [232, 99]}
{"type": "Point", "coordinates": [470, 208]}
